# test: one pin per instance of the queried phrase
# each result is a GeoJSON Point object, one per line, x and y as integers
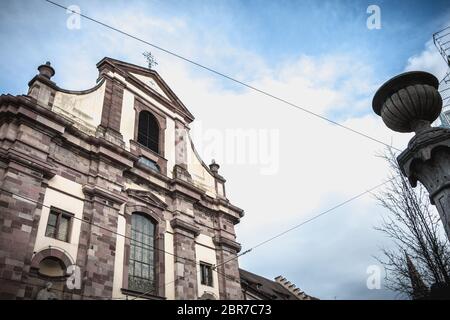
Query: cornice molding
{"type": "Point", "coordinates": [55, 87]}
{"type": "Point", "coordinates": [92, 190]}
{"type": "Point", "coordinates": [100, 147]}
{"type": "Point", "coordinates": [225, 242]}
{"type": "Point", "coordinates": [177, 223]}
{"type": "Point", "coordinates": [147, 197]}
{"type": "Point", "coordinates": [12, 155]}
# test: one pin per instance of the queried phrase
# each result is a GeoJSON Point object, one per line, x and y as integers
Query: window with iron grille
{"type": "Point", "coordinates": [148, 131]}
{"type": "Point", "coordinates": [206, 274]}
{"type": "Point", "coordinates": [59, 224]}
{"type": "Point", "coordinates": [141, 268]}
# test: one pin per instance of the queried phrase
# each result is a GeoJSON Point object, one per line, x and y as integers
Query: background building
{"type": "Point", "coordinates": [255, 287]}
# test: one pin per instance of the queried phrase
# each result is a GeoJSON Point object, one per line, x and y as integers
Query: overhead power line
{"type": "Point", "coordinates": [289, 230]}
{"type": "Point", "coordinates": [252, 88]}
{"type": "Point", "coordinates": [142, 244]}
{"type": "Point", "coordinates": [54, 289]}
{"type": "Point", "coordinates": [263, 92]}
{"type": "Point", "coordinates": [307, 221]}
{"type": "Point", "coordinates": [229, 260]}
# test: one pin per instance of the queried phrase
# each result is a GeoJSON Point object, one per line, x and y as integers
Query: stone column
{"type": "Point", "coordinates": [180, 144]}
{"type": "Point", "coordinates": [109, 127]}
{"type": "Point", "coordinates": [228, 268]}
{"type": "Point", "coordinates": [22, 192]}
{"type": "Point", "coordinates": [42, 88]}
{"type": "Point", "coordinates": [411, 102]}
{"type": "Point", "coordinates": [97, 248]}
{"type": "Point", "coordinates": [185, 266]}
{"type": "Point", "coordinates": [218, 179]}
{"type": "Point", "coordinates": [180, 168]}
{"type": "Point", "coordinates": [24, 174]}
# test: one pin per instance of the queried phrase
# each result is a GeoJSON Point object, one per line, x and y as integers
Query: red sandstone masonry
{"type": "Point", "coordinates": [51, 145]}
{"type": "Point", "coordinates": [112, 105]}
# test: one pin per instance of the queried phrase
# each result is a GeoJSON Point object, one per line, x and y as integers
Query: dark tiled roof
{"type": "Point", "coordinates": [264, 288]}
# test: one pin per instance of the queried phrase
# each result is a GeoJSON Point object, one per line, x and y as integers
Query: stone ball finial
{"type": "Point", "coordinates": [46, 70]}
{"type": "Point", "coordinates": [408, 102]}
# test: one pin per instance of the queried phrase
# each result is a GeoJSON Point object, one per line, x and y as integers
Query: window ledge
{"type": "Point", "coordinates": [140, 150]}
{"type": "Point", "coordinates": [149, 296]}
{"type": "Point", "coordinates": [56, 239]}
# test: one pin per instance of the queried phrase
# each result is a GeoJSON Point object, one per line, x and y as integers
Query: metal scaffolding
{"type": "Point", "coordinates": [441, 40]}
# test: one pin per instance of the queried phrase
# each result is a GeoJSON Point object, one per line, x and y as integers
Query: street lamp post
{"type": "Point", "coordinates": [410, 102]}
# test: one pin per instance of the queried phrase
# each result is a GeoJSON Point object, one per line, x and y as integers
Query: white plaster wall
{"type": "Point", "coordinates": [64, 201]}
{"type": "Point", "coordinates": [135, 186]}
{"type": "Point", "coordinates": [170, 146]}
{"type": "Point", "coordinates": [200, 176]}
{"type": "Point", "coordinates": [119, 258]}
{"type": "Point", "coordinates": [151, 83]}
{"type": "Point", "coordinates": [127, 119]}
{"type": "Point", "coordinates": [169, 261]}
{"type": "Point", "coordinates": [205, 252]}
{"type": "Point", "coordinates": [220, 189]}
{"type": "Point", "coordinates": [146, 96]}
{"type": "Point", "coordinates": [127, 123]}
{"type": "Point", "coordinates": [86, 109]}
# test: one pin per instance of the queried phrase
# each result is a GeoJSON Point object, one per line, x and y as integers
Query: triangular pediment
{"type": "Point", "coordinates": [150, 82]}
{"type": "Point", "coordinates": [147, 197]}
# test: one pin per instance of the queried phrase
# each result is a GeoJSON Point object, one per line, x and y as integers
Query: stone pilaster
{"type": "Point", "coordinates": [218, 179]}
{"type": "Point", "coordinates": [112, 112]}
{"type": "Point", "coordinates": [22, 192]}
{"type": "Point", "coordinates": [185, 266]}
{"type": "Point", "coordinates": [25, 173]}
{"type": "Point", "coordinates": [228, 268]}
{"type": "Point", "coordinates": [180, 144]}
{"type": "Point", "coordinates": [41, 87]}
{"type": "Point", "coordinates": [96, 254]}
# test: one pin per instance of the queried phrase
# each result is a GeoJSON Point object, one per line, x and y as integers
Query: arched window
{"type": "Point", "coordinates": [148, 131]}
{"type": "Point", "coordinates": [141, 270]}
{"type": "Point", "coordinates": [51, 267]}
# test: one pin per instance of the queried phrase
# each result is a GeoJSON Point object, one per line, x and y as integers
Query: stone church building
{"type": "Point", "coordinates": [105, 185]}
{"type": "Point", "coordinates": [103, 196]}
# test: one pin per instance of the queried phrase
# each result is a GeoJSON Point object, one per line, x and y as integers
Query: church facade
{"type": "Point", "coordinates": [103, 195]}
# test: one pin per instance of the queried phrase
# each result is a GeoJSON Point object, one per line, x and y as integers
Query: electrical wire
{"type": "Point", "coordinates": [263, 92]}
{"type": "Point", "coordinates": [215, 268]}
{"type": "Point", "coordinates": [307, 221]}
{"type": "Point", "coordinates": [145, 246]}
{"type": "Point", "coordinates": [252, 88]}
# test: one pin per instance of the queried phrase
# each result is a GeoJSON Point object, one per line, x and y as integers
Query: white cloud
{"type": "Point", "coordinates": [320, 164]}
{"type": "Point", "coordinates": [428, 60]}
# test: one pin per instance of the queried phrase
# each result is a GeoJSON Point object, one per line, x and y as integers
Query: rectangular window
{"type": "Point", "coordinates": [58, 225]}
{"type": "Point", "coordinates": [206, 274]}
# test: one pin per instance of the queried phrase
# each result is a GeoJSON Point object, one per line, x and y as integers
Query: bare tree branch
{"type": "Point", "coordinates": [414, 227]}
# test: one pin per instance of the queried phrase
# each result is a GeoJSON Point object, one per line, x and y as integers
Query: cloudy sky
{"type": "Point", "coordinates": [319, 55]}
